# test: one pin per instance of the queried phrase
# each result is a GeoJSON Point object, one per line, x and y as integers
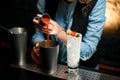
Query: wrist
{"type": "Point", "coordinates": [62, 36]}
{"type": "Point", "coordinates": [59, 33]}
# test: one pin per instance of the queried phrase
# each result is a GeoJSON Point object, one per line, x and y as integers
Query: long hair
{"type": "Point", "coordinates": [84, 1]}
{"type": "Point", "coordinates": [87, 7]}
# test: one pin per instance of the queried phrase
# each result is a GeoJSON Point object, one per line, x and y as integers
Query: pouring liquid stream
{"type": "Point", "coordinates": [46, 21]}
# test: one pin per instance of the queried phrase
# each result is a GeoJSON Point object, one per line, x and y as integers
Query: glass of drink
{"type": "Point", "coordinates": [73, 48]}
{"type": "Point", "coordinates": [73, 53]}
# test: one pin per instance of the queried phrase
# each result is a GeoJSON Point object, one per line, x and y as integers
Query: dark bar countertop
{"type": "Point", "coordinates": [30, 71]}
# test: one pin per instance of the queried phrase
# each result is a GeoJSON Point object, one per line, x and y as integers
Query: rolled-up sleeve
{"type": "Point", "coordinates": [94, 30]}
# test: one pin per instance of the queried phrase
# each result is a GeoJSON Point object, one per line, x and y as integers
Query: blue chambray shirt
{"type": "Point", "coordinates": [64, 17]}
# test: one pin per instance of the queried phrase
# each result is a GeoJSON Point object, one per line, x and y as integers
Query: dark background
{"type": "Point", "coordinates": [19, 13]}
{"type": "Point", "coordinates": [14, 13]}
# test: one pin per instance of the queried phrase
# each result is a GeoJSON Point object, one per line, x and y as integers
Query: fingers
{"type": "Point", "coordinates": [45, 30]}
{"type": "Point", "coordinates": [36, 49]}
{"type": "Point", "coordinates": [41, 26]}
{"type": "Point", "coordinates": [39, 15]}
{"type": "Point", "coordinates": [37, 44]}
{"type": "Point", "coordinates": [49, 28]}
{"type": "Point", "coordinates": [38, 21]}
{"type": "Point", "coordinates": [35, 58]}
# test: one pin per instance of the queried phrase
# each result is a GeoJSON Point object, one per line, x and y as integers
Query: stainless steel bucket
{"type": "Point", "coordinates": [19, 45]}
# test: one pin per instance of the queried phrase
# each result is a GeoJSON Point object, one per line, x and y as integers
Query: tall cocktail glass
{"type": "Point", "coordinates": [73, 54]}
{"type": "Point", "coordinates": [73, 50]}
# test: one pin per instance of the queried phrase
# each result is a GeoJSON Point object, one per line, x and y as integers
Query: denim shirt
{"type": "Point", "coordinates": [64, 18]}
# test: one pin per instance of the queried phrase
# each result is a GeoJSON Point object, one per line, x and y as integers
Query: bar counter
{"type": "Point", "coordinates": [30, 71]}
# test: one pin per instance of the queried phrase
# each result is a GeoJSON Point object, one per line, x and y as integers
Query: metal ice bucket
{"type": "Point", "coordinates": [19, 45]}
{"type": "Point", "coordinates": [49, 56]}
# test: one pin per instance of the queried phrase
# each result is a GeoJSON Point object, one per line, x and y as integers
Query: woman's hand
{"type": "Point", "coordinates": [53, 27]}
{"type": "Point", "coordinates": [38, 23]}
{"type": "Point", "coordinates": [35, 54]}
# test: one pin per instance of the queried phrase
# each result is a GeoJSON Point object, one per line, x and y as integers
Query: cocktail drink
{"type": "Point", "coordinates": [73, 48]}
{"type": "Point", "coordinates": [73, 54]}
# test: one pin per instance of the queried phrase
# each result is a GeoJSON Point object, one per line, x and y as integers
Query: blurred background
{"type": "Point", "coordinates": [110, 42]}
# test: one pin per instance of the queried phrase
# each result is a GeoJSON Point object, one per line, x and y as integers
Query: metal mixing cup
{"type": "Point", "coordinates": [49, 51]}
{"type": "Point", "coordinates": [19, 45]}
